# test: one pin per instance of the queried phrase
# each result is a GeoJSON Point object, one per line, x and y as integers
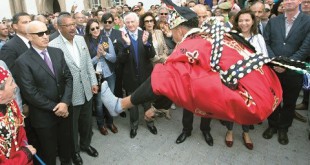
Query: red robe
{"type": "Point", "coordinates": [188, 80]}
{"type": "Point", "coordinates": [17, 157]}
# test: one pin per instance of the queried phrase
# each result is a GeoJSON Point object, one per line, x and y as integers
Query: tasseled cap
{"type": "Point", "coordinates": [4, 74]}
{"type": "Point", "coordinates": [179, 14]}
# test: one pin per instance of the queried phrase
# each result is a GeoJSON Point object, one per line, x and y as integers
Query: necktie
{"type": "Point", "coordinates": [133, 35]}
{"type": "Point", "coordinates": [48, 61]}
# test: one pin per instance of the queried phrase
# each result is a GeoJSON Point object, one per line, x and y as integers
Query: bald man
{"type": "Point", "coordinates": [46, 84]}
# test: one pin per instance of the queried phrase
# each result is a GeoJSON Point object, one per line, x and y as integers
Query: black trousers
{"type": "Point", "coordinates": [282, 117]}
{"type": "Point", "coordinates": [82, 125]}
{"type": "Point", "coordinates": [51, 140]}
{"type": "Point", "coordinates": [144, 93]}
{"type": "Point", "coordinates": [187, 121]}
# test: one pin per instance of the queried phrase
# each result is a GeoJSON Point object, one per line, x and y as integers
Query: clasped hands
{"type": "Point", "coordinates": [61, 110]}
{"type": "Point", "coordinates": [101, 51]}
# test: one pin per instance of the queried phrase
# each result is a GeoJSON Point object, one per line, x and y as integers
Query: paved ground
{"type": "Point", "coordinates": [147, 148]}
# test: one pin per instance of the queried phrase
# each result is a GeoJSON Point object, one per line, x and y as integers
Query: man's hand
{"type": "Point", "coordinates": [31, 149]}
{"type": "Point", "coordinates": [145, 37]}
{"type": "Point", "coordinates": [279, 69]}
{"type": "Point", "coordinates": [149, 114]}
{"type": "Point", "coordinates": [94, 89]}
{"type": "Point", "coordinates": [126, 38]}
{"type": "Point", "coordinates": [61, 110]}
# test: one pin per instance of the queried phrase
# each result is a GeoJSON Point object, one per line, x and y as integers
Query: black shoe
{"type": "Point", "coordinates": [152, 129]}
{"type": "Point", "coordinates": [208, 137]}
{"type": "Point", "coordinates": [309, 136]}
{"type": "Point", "coordinates": [91, 151]}
{"type": "Point", "coordinates": [301, 106]}
{"type": "Point", "coordinates": [251, 127]}
{"type": "Point", "coordinates": [123, 115]}
{"type": "Point", "coordinates": [268, 133]}
{"type": "Point", "coordinates": [133, 133]}
{"type": "Point", "coordinates": [299, 117]}
{"type": "Point", "coordinates": [282, 137]}
{"type": "Point", "coordinates": [182, 137]}
{"type": "Point", "coordinates": [77, 160]}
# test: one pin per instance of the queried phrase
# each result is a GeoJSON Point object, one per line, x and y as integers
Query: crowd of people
{"type": "Point", "coordinates": [69, 66]}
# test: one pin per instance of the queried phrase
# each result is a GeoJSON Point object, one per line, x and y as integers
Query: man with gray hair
{"type": "Point", "coordinates": [137, 52]}
{"type": "Point", "coordinates": [84, 84]}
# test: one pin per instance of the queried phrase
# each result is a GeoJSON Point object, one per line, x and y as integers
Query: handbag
{"type": "Point", "coordinates": [100, 80]}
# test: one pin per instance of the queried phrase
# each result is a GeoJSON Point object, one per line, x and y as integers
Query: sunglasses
{"type": "Point", "coordinates": [107, 22]}
{"type": "Point", "coordinates": [148, 21]}
{"type": "Point", "coordinates": [40, 34]}
{"type": "Point", "coordinates": [94, 28]}
{"type": "Point", "coordinates": [267, 10]}
{"type": "Point", "coordinates": [163, 13]}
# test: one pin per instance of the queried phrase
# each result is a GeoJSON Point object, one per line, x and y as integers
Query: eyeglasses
{"type": "Point", "coordinates": [163, 13]}
{"type": "Point", "coordinates": [69, 25]}
{"type": "Point", "coordinates": [306, 2]}
{"type": "Point", "coordinates": [148, 21]}
{"type": "Point", "coordinates": [107, 22]}
{"type": "Point", "coordinates": [93, 29]}
{"type": "Point", "coordinates": [40, 34]}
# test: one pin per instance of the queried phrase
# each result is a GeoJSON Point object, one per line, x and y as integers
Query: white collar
{"type": "Point", "coordinates": [24, 39]}
{"type": "Point", "coordinates": [192, 31]}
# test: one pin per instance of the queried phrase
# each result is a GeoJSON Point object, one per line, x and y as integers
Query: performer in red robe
{"type": "Point", "coordinates": [211, 72]}
{"type": "Point", "coordinates": [13, 141]}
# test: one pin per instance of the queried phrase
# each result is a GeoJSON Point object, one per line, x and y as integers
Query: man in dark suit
{"type": "Point", "coordinates": [46, 84]}
{"type": "Point", "coordinates": [19, 43]}
{"type": "Point", "coordinates": [116, 38]}
{"type": "Point", "coordinates": [287, 35]}
{"type": "Point", "coordinates": [136, 58]}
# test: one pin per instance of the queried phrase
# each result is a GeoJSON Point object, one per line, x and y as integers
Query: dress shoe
{"type": "Point", "coordinates": [77, 160]}
{"type": "Point", "coordinates": [152, 129]}
{"type": "Point", "coordinates": [208, 137]}
{"type": "Point", "coordinates": [248, 145]}
{"type": "Point", "coordinates": [299, 117]}
{"type": "Point", "coordinates": [133, 133]}
{"type": "Point", "coordinates": [123, 115]}
{"type": "Point", "coordinates": [113, 128]}
{"type": "Point", "coordinates": [309, 136]}
{"type": "Point", "coordinates": [268, 133]}
{"type": "Point", "coordinates": [251, 127]}
{"type": "Point", "coordinates": [282, 137]}
{"type": "Point", "coordinates": [103, 130]}
{"type": "Point", "coordinates": [91, 151]}
{"type": "Point", "coordinates": [182, 137]}
{"type": "Point", "coordinates": [228, 142]}
{"type": "Point", "coordinates": [301, 106]}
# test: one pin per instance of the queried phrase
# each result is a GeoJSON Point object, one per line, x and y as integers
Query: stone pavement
{"type": "Point", "coordinates": [147, 148]}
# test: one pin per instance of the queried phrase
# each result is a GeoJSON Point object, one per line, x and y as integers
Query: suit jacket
{"type": "Point", "coordinates": [41, 88]}
{"type": "Point", "coordinates": [116, 38]}
{"type": "Point", "coordinates": [54, 35]}
{"type": "Point", "coordinates": [132, 77]}
{"type": "Point", "coordinates": [12, 50]}
{"type": "Point", "coordinates": [297, 43]}
{"type": "Point", "coordinates": [84, 75]}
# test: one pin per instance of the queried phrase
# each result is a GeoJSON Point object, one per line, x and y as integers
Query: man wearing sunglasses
{"type": "Point", "coordinates": [46, 84]}
{"type": "Point", "coordinates": [116, 38]}
{"type": "Point", "coordinates": [84, 84]}
{"type": "Point", "coordinates": [163, 14]}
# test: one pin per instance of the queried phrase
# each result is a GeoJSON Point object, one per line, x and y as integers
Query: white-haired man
{"type": "Point", "coordinates": [137, 52]}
